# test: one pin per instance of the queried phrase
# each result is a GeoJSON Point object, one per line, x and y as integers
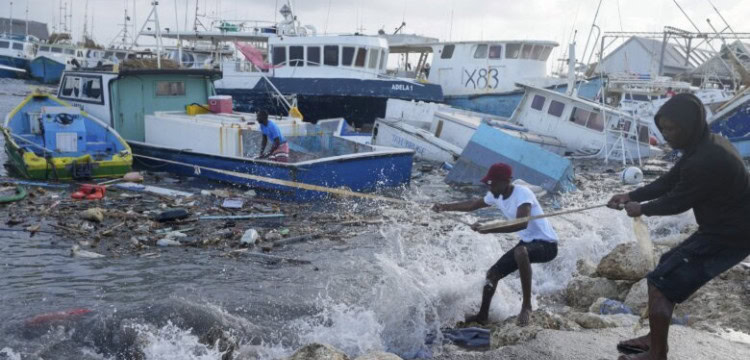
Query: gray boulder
{"type": "Point", "coordinates": [317, 351]}
{"type": "Point", "coordinates": [637, 298]}
{"type": "Point", "coordinates": [379, 355]}
{"type": "Point", "coordinates": [625, 262]}
{"type": "Point", "coordinates": [508, 333]}
{"type": "Point", "coordinates": [582, 291]}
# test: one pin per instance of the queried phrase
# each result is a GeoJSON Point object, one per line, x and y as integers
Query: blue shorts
{"type": "Point", "coordinates": [691, 264]}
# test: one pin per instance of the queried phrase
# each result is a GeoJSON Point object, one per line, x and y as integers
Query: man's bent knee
{"type": "Point", "coordinates": [521, 253]}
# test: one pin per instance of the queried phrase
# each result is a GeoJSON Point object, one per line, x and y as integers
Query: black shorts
{"type": "Point", "coordinates": [691, 264]}
{"type": "Point", "coordinates": [540, 251]}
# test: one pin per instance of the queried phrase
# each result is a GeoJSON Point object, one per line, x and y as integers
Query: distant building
{"type": "Point", "coordinates": [37, 29]}
{"type": "Point", "coordinates": [641, 55]}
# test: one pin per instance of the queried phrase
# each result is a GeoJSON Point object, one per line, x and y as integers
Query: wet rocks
{"type": "Point", "coordinates": [317, 351]}
{"type": "Point", "coordinates": [585, 267]}
{"type": "Point", "coordinates": [218, 338]}
{"type": "Point", "coordinates": [582, 291]}
{"type": "Point", "coordinates": [508, 333]}
{"type": "Point", "coordinates": [625, 262]}
{"type": "Point", "coordinates": [379, 355]}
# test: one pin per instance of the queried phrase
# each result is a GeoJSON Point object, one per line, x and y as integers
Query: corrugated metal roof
{"type": "Point", "coordinates": [37, 29]}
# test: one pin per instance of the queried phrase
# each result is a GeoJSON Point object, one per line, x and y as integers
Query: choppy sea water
{"type": "Point", "coordinates": [386, 287]}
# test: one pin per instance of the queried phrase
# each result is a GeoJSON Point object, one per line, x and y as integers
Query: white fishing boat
{"type": "Point", "coordinates": [16, 52]}
{"type": "Point", "coordinates": [328, 76]}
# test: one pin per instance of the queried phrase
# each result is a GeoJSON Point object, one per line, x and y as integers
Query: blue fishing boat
{"type": "Point", "coordinates": [318, 166]}
{"type": "Point", "coordinates": [223, 146]}
{"type": "Point", "coordinates": [46, 138]}
{"type": "Point", "coordinates": [46, 70]}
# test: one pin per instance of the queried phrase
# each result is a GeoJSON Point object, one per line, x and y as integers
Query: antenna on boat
{"type": "Point", "coordinates": [27, 20]}
{"type": "Point", "coordinates": [11, 18]}
{"type": "Point", "coordinates": [572, 68]}
{"type": "Point", "coordinates": [85, 20]}
{"type": "Point", "coordinates": [126, 40]}
{"type": "Point", "coordinates": [153, 17]}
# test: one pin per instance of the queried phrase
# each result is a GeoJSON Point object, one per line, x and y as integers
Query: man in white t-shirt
{"type": "Point", "coordinates": [538, 240]}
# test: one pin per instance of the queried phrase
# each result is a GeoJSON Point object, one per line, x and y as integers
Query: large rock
{"type": "Point", "coordinates": [637, 298]}
{"type": "Point", "coordinates": [625, 262]}
{"type": "Point", "coordinates": [595, 321]}
{"type": "Point", "coordinates": [582, 291]}
{"type": "Point", "coordinates": [379, 355]}
{"type": "Point", "coordinates": [317, 351]}
{"type": "Point", "coordinates": [508, 333]}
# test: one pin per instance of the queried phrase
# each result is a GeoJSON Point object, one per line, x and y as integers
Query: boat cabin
{"type": "Point", "coordinates": [476, 67]}
{"type": "Point", "coordinates": [587, 128]}
{"type": "Point", "coordinates": [123, 99]}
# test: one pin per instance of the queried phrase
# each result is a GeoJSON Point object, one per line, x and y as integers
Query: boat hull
{"type": "Point", "coordinates": [15, 63]}
{"type": "Point", "coordinates": [364, 173]}
{"type": "Point", "coordinates": [30, 166]}
{"type": "Point", "coordinates": [46, 70]}
{"type": "Point", "coordinates": [358, 101]}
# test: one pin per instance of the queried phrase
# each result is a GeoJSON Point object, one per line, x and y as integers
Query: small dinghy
{"type": "Point", "coordinates": [45, 138]}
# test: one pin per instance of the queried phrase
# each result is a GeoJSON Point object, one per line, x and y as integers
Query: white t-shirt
{"type": "Point", "coordinates": [539, 229]}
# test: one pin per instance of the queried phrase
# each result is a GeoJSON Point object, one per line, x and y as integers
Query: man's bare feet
{"type": "Point", "coordinates": [641, 356]}
{"type": "Point", "coordinates": [635, 346]}
{"type": "Point", "coordinates": [523, 316]}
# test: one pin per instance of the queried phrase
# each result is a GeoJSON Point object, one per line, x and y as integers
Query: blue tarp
{"type": "Point", "coordinates": [530, 162]}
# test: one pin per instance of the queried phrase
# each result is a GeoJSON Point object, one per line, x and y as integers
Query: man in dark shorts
{"type": "Point", "coordinates": [709, 178]}
{"type": "Point", "coordinates": [538, 240]}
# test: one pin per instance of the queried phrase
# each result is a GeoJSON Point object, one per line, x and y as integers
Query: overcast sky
{"type": "Point", "coordinates": [443, 19]}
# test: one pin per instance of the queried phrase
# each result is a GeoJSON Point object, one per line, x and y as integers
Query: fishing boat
{"type": "Point", "coordinates": [733, 121]}
{"type": "Point", "coordinates": [223, 145]}
{"type": "Point", "coordinates": [327, 76]}
{"type": "Point", "coordinates": [50, 62]}
{"type": "Point", "coordinates": [45, 138]}
{"type": "Point", "coordinates": [16, 51]}
{"type": "Point", "coordinates": [439, 132]}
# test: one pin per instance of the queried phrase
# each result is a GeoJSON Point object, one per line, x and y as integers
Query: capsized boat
{"type": "Point", "coordinates": [45, 138]}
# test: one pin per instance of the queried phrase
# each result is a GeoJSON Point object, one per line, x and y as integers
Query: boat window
{"type": "Point", "coordinates": [296, 56]}
{"type": "Point", "coordinates": [536, 53]}
{"type": "Point", "coordinates": [44, 48]}
{"type": "Point", "coordinates": [313, 56]}
{"type": "Point", "coordinates": [120, 55]}
{"type": "Point", "coordinates": [512, 51]}
{"type": "Point", "coordinates": [579, 116]}
{"type": "Point", "coordinates": [108, 54]}
{"type": "Point", "coordinates": [596, 122]}
{"type": "Point", "coordinates": [481, 51]}
{"type": "Point", "coordinates": [17, 46]}
{"type": "Point", "coordinates": [545, 53]}
{"type": "Point", "coordinates": [526, 51]}
{"type": "Point", "coordinates": [643, 135]}
{"type": "Point", "coordinates": [279, 55]}
{"type": "Point", "coordinates": [361, 57]}
{"type": "Point", "coordinates": [373, 63]}
{"type": "Point", "coordinates": [624, 125]}
{"type": "Point", "coordinates": [496, 51]}
{"type": "Point", "coordinates": [56, 50]}
{"type": "Point", "coordinates": [538, 102]}
{"type": "Point", "coordinates": [382, 59]}
{"type": "Point", "coordinates": [347, 55]}
{"type": "Point", "coordinates": [447, 51]}
{"type": "Point", "coordinates": [4, 44]}
{"type": "Point", "coordinates": [92, 89]}
{"type": "Point", "coordinates": [170, 88]}
{"type": "Point", "coordinates": [70, 51]}
{"type": "Point", "coordinates": [331, 55]}
{"type": "Point", "coordinates": [556, 108]}
{"type": "Point", "coordinates": [640, 97]}
{"type": "Point", "coordinates": [70, 86]}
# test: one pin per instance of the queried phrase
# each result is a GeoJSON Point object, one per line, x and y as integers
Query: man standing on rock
{"type": "Point", "coordinates": [538, 240]}
{"type": "Point", "coordinates": [711, 179]}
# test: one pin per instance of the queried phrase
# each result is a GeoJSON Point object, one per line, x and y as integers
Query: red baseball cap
{"type": "Point", "coordinates": [498, 172]}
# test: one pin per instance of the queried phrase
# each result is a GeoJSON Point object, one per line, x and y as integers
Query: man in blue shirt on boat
{"type": "Point", "coordinates": [279, 151]}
